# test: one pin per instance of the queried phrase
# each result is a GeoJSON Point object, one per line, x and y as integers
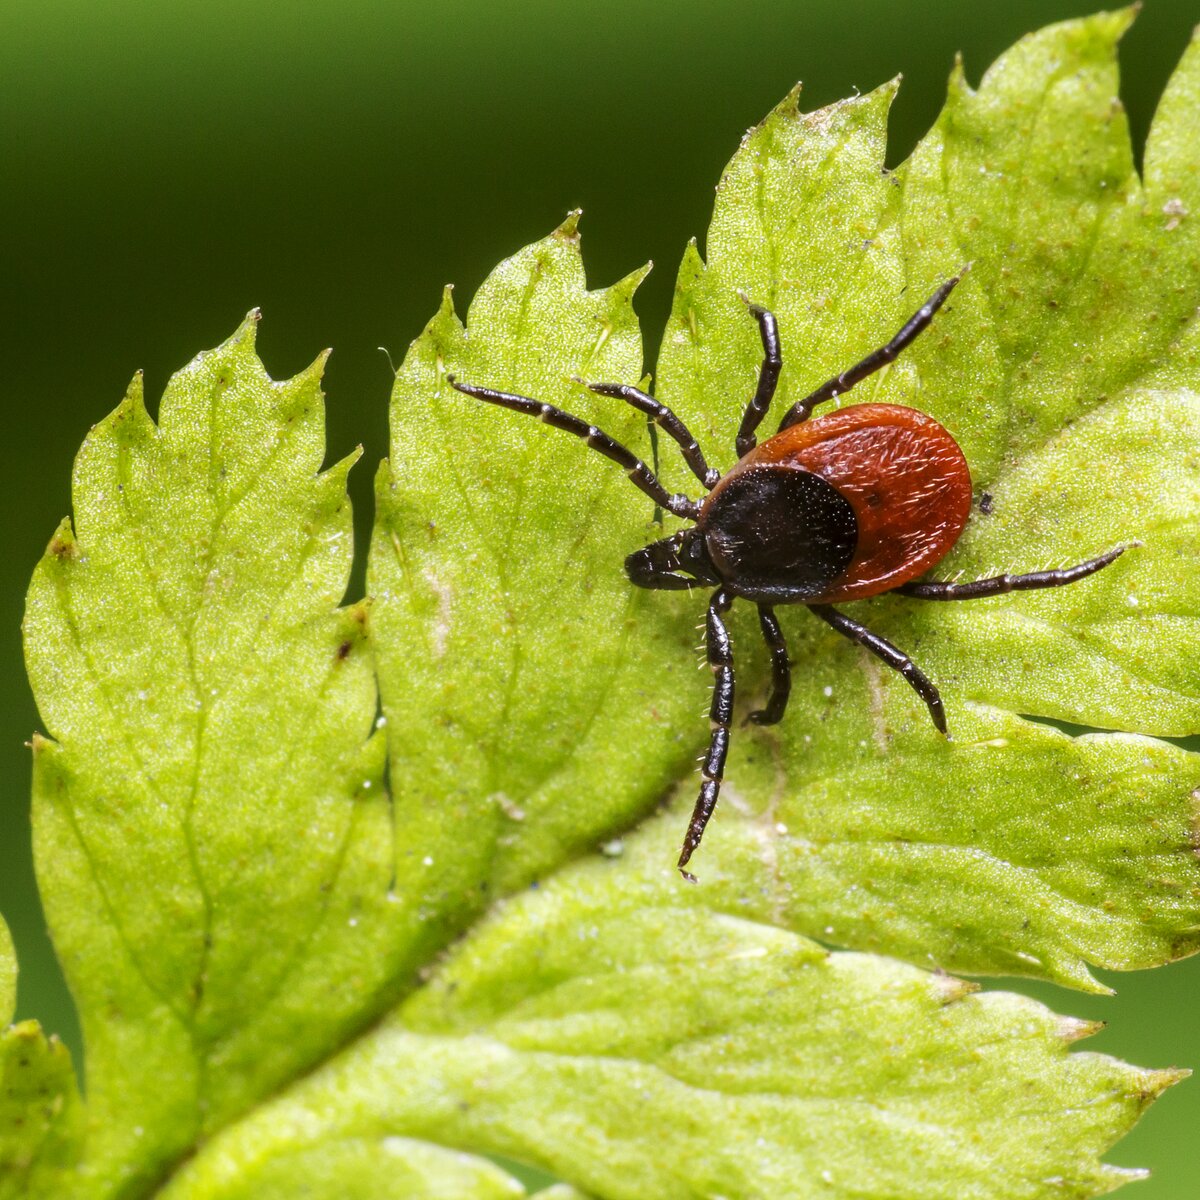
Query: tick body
{"type": "Point", "coordinates": [838, 508]}
{"type": "Point", "coordinates": [852, 504]}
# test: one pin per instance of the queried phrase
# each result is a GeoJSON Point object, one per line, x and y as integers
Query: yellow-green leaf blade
{"type": "Point", "coordinates": [207, 816]}
{"type": "Point", "coordinates": [611, 1029]}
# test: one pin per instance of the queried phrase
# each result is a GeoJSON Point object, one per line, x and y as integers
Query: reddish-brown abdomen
{"type": "Point", "coordinates": [903, 475]}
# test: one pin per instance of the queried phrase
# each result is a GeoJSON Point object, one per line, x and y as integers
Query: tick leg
{"type": "Point", "coordinates": [665, 419]}
{"type": "Point", "coordinates": [720, 659]}
{"type": "Point", "coordinates": [640, 474]}
{"type": "Point", "coordinates": [802, 409]}
{"type": "Point", "coordinates": [768, 378]}
{"type": "Point", "coordinates": [998, 585]}
{"type": "Point", "coordinates": [896, 659]}
{"type": "Point", "coordinates": [781, 671]}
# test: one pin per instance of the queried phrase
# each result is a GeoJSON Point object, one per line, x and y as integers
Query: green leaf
{"type": "Point", "coordinates": [40, 1115]}
{"type": "Point", "coordinates": [212, 839]}
{"type": "Point", "coordinates": [614, 1029]}
{"type": "Point", "coordinates": [257, 934]}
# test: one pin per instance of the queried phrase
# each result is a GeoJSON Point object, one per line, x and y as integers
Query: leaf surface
{"type": "Point", "coordinates": [210, 831]}
{"type": "Point", "coordinates": [612, 1028]}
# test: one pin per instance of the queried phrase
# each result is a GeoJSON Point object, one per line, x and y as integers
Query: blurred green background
{"type": "Point", "coordinates": [169, 166]}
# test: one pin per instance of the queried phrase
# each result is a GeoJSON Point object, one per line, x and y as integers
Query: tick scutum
{"type": "Point", "coordinates": [775, 528]}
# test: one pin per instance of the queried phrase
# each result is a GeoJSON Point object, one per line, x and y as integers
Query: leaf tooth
{"type": "Point", "coordinates": [134, 400]}
{"type": "Point", "coordinates": [1073, 972]}
{"type": "Point", "coordinates": [244, 337]}
{"type": "Point", "coordinates": [62, 544]}
{"type": "Point", "coordinates": [569, 229]}
{"type": "Point", "coordinates": [336, 475]}
{"type": "Point", "coordinates": [624, 288]}
{"type": "Point", "coordinates": [949, 989]}
{"type": "Point", "coordinates": [1149, 1085]}
{"type": "Point", "coordinates": [311, 376]}
{"type": "Point", "coordinates": [42, 746]}
{"type": "Point", "coordinates": [444, 329]}
{"type": "Point", "coordinates": [790, 104]}
{"type": "Point", "coordinates": [691, 268]}
{"type": "Point", "coordinates": [1120, 19]}
{"type": "Point", "coordinates": [787, 109]}
{"type": "Point", "coordinates": [957, 87]}
{"type": "Point", "coordinates": [1075, 1029]}
{"type": "Point", "coordinates": [1110, 1177]}
{"type": "Point", "coordinates": [354, 626]}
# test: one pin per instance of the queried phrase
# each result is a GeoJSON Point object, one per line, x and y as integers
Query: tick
{"type": "Point", "coordinates": [858, 502]}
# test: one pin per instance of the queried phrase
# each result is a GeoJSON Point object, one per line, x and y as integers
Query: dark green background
{"type": "Point", "coordinates": [167, 166]}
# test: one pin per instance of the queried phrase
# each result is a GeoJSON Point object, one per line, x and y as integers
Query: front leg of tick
{"type": "Point", "coordinates": [720, 660]}
{"type": "Point", "coordinates": [768, 378]}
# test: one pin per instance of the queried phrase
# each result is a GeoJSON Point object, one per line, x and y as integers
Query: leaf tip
{"type": "Point", "coordinates": [247, 331]}
{"type": "Point", "coordinates": [957, 86]}
{"type": "Point", "coordinates": [1157, 1082]}
{"type": "Point", "coordinates": [1112, 1177]}
{"type": "Point", "coordinates": [625, 288]}
{"type": "Point", "coordinates": [62, 543]}
{"type": "Point", "coordinates": [312, 375]}
{"type": "Point", "coordinates": [1075, 1029]}
{"type": "Point", "coordinates": [569, 229]}
{"type": "Point", "coordinates": [949, 989]}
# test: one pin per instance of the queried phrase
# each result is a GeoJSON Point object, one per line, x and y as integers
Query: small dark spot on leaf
{"type": "Point", "coordinates": [985, 503]}
{"type": "Point", "coordinates": [343, 651]}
